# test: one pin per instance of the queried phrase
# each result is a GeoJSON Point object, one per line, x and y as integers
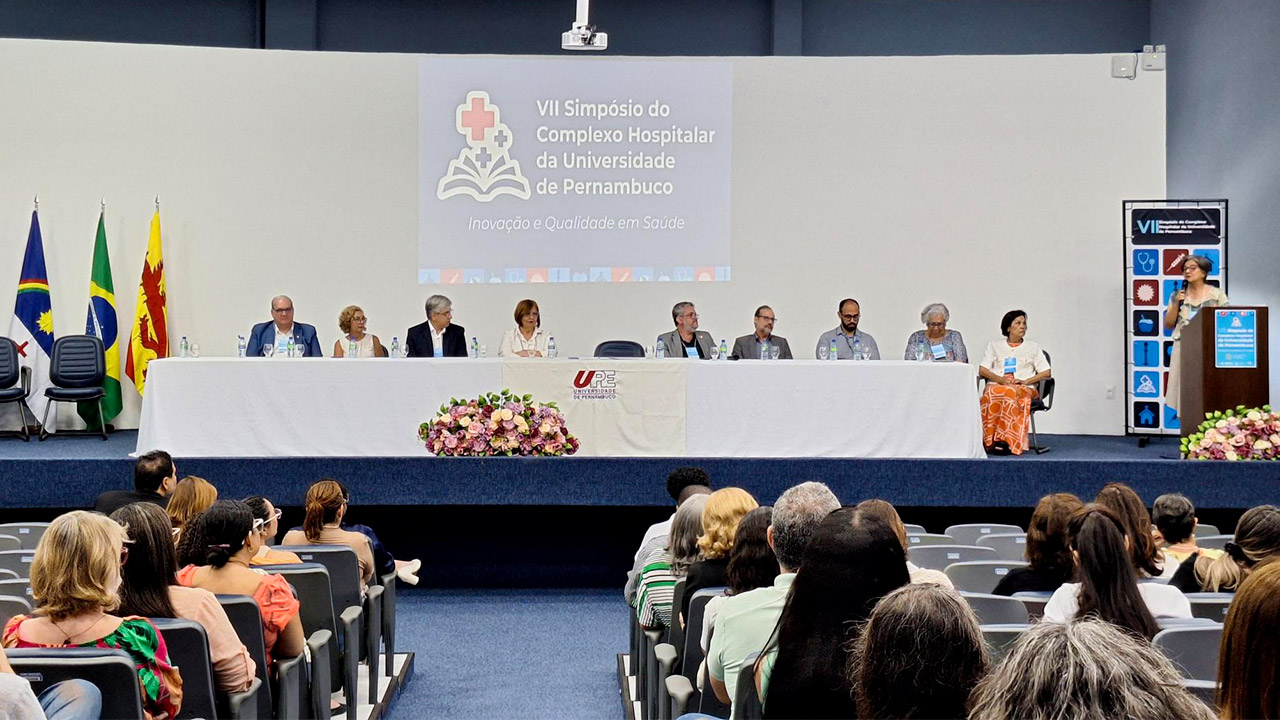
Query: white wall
{"type": "Point", "coordinates": [984, 182]}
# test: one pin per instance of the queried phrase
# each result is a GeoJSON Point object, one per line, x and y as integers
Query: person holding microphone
{"type": "Point", "coordinates": [1183, 305]}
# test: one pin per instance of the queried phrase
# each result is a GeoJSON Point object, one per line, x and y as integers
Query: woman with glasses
{"type": "Point", "coordinates": [526, 339]}
{"type": "Point", "coordinates": [353, 323]}
{"type": "Point", "coordinates": [75, 581]}
{"type": "Point", "coordinates": [270, 516]}
{"type": "Point", "coordinates": [228, 537]}
{"type": "Point", "coordinates": [935, 342]}
{"type": "Point", "coordinates": [151, 590]}
{"type": "Point", "coordinates": [326, 507]}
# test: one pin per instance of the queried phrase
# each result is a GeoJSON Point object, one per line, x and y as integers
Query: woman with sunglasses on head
{"type": "Point", "coordinates": [270, 516]}
{"type": "Point", "coordinates": [229, 537]}
{"type": "Point", "coordinates": [150, 589]}
{"type": "Point", "coordinates": [75, 581]}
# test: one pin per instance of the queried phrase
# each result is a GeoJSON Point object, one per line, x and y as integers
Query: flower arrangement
{"type": "Point", "coordinates": [499, 423]}
{"type": "Point", "coordinates": [1239, 434]}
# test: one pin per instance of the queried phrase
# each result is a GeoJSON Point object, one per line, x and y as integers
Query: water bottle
{"type": "Point", "coordinates": [184, 348]}
{"type": "Point", "coordinates": [352, 348]}
{"type": "Point", "coordinates": [857, 348]}
{"type": "Point", "coordinates": [240, 346]}
{"type": "Point", "coordinates": [764, 351]}
{"type": "Point", "coordinates": [551, 346]}
{"type": "Point", "coordinates": [724, 350]}
{"type": "Point", "coordinates": [924, 352]}
{"type": "Point", "coordinates": [832, 351]}
{"type": "Point", "coordinates": [475, 347]}
{"type": "Point", "coordinates": [661, 350]}
{"type": "Point", "coordinates": [395, 347]}
{"type": "Point", "coordinates": [291, 348]}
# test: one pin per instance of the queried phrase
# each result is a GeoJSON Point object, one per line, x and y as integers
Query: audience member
{"type": "Point", "coordinates": [383, 561]}
{"type": "Point", "coordinates": [1048, 551]}
{"type": "Point", "coordinates": [682, 484]}
{"type": "Point", "coordinates": [888, 514]}
{"type": "Point", "coordinates": [852, 562]}
{"type": "Point", "coordinates": [850, 342]}
{"type": "Point", "coordinates": [919, 656]}
{"type": "Point", "coordinates": [1089, 670]}
{"type": "Point", "coordinates": [354, 326]}
{"type": "Point", "coordinates": [67, 700]}
{"type": "Point", "coordinates": [1108, 584]}
{"type": "Point", "coordinates": [192, 496]}
{"type": "Point", "coordinates": [230, 537]}
{"type": "Point", "coordinates": [526, 339]}
{"type": "Point", "coordinates": [725, 508]}
{"type": "Point", "coordinates": [1257, 540]}
{"type": "Point", "coordinates": [322, 525]}
{"type": "Point", "coordinates": [1121, 500]}
{"type": "Point", "coordinates": [75, 581]}
{"type": "Point", "coordinates": [762, 341]}
{"type": "Point", "coordinates": [1175, 520]}
{"type": "Point", "coordinates": [1013, 368]}
{"type": "Point", "coordinates": [752, 565]}
{"type": "Point", "coordinates": [263, 510]}
{"type": "Point", "coordinates": [150, 589]}
{"type": "Point", "coordinates": [280, 330]}
{"type": "Point", "coordinates": [1249, 658]}
{"type": "Point", "coordinates": [663, 568]}
{"type": "Point", "coordinates": [936, 343]}
{"type": "Point", "coordinates": [438, 336]}
{"type": "Point", "coordinates": [686, 341]}
{"type": "Point", "coordinates": [746, 621]}
{"type": "Point", "coordinates": [154, 477]}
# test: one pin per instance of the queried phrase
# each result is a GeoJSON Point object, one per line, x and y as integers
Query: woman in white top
{"type": "Point", "coordinates": [1013, 368]}
{"type": "Point", "coordinates": [526, 339]}
{"type": "Point", "coordinates": [1183, 305]}
{"type": "Point", "coordinates": [1109, 587]}
{"type": "Point", "coordinates": [352, 322]}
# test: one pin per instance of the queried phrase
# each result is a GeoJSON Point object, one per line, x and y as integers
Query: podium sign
{"type": "Point", "coordinates": [1235, 338]}
{"type": "Point", "coordinates": [1159, 235]}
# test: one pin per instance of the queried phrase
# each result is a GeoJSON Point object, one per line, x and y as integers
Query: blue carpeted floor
{"type": "Point", "coordinates": [511, 653]}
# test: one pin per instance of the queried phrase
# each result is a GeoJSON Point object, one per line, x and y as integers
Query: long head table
{"type": "Point", "coordinates": [331, 407]}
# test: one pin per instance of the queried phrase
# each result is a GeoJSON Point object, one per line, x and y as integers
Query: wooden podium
{"type": "Point", "coordinates": [1207, 387]}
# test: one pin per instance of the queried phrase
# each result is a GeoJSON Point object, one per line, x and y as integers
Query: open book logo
{"type": "Point", "coordinates": [484, 169]}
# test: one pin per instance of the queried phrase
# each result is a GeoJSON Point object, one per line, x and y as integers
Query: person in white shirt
{"type": "Point", "coordinates": [354, 326]}
{"type": "Point", "coordinates": [526, 339]}
{"type": "Point", "coordinates": [1012, 367]}
{"type": "Point", "coordinates": [682, 484]}
{"type": "Point", "coordinates": [1109, 587]}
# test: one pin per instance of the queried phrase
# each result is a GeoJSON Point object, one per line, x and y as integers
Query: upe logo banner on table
{"type": "Point", "coordinates": [622, 408]}
{"type": "Point", "coordinates": [532, 170]}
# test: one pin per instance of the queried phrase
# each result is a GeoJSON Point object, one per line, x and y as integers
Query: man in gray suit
{"type": "Point", "coordinates": [749, 347]}
{"type": "Point", "coordinates": [686, 340]}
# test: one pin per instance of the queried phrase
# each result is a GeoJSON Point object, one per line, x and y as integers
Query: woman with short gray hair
{"type": "Point", "coordinates": [936, 343]}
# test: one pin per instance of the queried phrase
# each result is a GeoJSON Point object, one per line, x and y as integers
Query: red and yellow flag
{"type": "Point", "coordinates": [149, 338]}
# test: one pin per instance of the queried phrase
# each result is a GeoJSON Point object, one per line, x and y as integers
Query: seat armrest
{"type": "Point", "coordinates": [244, 705]}
{"type": "Point", "coordinates": [389, 620]}
{"type": "Point", "coordinates": [25, 380]}
{"type": "Point", "coordinates": [666, 655]}
{"type": "Point", "coordinates": [373, 634]}
{"type": "Point", "coordinates": [680, 690]}
{"type": "Point", "coordinates": [321, 692]}
{"type": "Point", "coordinates": [351, 620]}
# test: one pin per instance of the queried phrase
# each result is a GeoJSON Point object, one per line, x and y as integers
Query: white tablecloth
{"type": "Point", "coordinates": [257, 407]}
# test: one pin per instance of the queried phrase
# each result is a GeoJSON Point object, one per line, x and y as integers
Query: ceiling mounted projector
{"type": "Point", "coordinates": [583, 36]}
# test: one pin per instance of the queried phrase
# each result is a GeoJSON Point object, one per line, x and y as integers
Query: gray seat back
{"type": "Point", "coordinates": [968, 533]}
{"type": "Point", "coordinates": [996, 609]}
{"type": "Point", "coordinates": [188, 647]}
{"type": "Point", "coordinates": [980, 576]}
{"type": "Point", "coordinates": [246, 618]}
{"type": "Point", "coordinates": [111, 670]}
{"type": "Point", "coordinates": [1193, 648]}
{"type": "Point", "coordinates": [1008, 546]}
{"type": "Point", "coordinates": [938, 557]}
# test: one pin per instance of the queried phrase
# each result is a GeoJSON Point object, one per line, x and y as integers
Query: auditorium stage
{"type": "Point", "coordinates": [69, 472]}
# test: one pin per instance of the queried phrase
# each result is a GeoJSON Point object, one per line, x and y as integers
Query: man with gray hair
{"type": "Point", "coordinates": [438, 336]}
{"type": "Point", "coordinates": [746, 621]}
{"type": "Point", "coordinates": [686, 340]}
{"type": "Point", "coordinates": [279, 330]}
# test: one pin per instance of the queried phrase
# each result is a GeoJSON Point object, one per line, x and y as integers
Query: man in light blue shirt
{"type": "Point", "coordinates": [851, 343]}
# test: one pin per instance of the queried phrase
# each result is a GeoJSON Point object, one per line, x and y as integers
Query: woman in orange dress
{"type": "Point", "coordinates": [1012, 367]}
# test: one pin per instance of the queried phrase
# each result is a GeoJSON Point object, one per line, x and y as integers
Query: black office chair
{"type": "Point", "coordinates": [77, 370]}
{"type": "Point", "coordinates": [619, 349]}
{"type": "Point", "coordinates": [15, 385]}
{"type": "Point", "coordinates": [1042, 404]}
{"type": "Point", "coordinates": [110, 669]}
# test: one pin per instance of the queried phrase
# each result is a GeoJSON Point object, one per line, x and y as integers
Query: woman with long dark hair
{"type": "Point", "coordinates": [752, 564]}
{"type": "Point", "coordinates": [850, 564]}
{"type": "Point", "coordinates": [1108, 586]}
{"type": "Point", "coordinates": [150, 589]}
{"type": "Point", "coordinates": [1129, 508]}
{"type": "Point", "coordinates": [1249, 660]}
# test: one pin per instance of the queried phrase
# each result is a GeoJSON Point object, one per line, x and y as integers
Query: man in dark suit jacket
{"type": "Point", "coordinates": [420, 340]}
{"type": "Point", "coordinates": [154, 477]}
{"type": "Point", "coordinates": [304, 335]}
{"type": "Point", "coordinates": [748, 347]}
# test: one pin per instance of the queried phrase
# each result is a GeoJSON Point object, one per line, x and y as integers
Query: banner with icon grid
{"type": "Point", "coordinates": [1159, 235]}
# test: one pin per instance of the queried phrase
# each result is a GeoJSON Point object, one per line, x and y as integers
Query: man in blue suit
{"type": "Point", "coordinates": [277, 332]}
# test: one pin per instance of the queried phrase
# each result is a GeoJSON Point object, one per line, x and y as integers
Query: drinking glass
{"type": "Point", "coordinates": [194, 349]}
{"type": "Point", "coordinates": [268, 349]}
{"type": "Point", "coordinates": [715, 353]}
{"type": "Point", "coordinates": [773, 352]}
{"type": "Point", "coordinates": [822, 352]}
{"type": "Point", "coordinates": [648, 351]}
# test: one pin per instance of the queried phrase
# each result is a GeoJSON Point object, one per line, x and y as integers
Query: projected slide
{"type": "Point", "coordinates": [586, 170]}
